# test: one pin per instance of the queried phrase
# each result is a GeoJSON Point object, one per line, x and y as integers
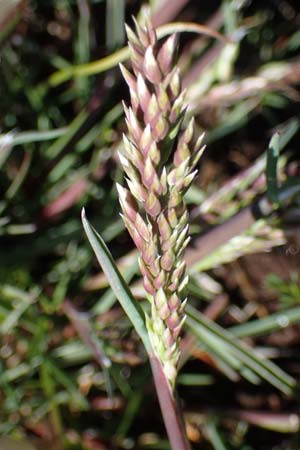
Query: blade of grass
{"type": "Point", "coordinates": [278, 141]}
{"type": "Point", "coordinates": [49, 387]}
{"type": "Point", "coordinates": [73, 353]}
{"type": "Point", "coordinates": [289, 129]}
{"type": "Point", "coordinates": [195, 379]}
{"type": "Point", "coordinates": [222, 355]}
{"type": "Point", "coordinates": [268, 324]}
{"type": "Point", "coordinates": [19, 177]}
{"type": "Point", "coordinates": [214, 435]}
{"type": "Point", "coordinates": [11, 375]}
{"type": "Point", "coordinates": [21, 300]}
{"type": "Point", "coordinates": [26, 137]}
{"type": "Point", "coordinates": [281, 423]}
{"type": "Point", "coordinates": [235, 119]}
{"type": "Point", "coordinates": [56, 148]}
{"type": "Point", "coordinates": [115, 18]}
{"type": "Point", "coordinates": [82, 44]}
{"type": "Point", "coordinates": [6, 144]}
{"type": "Point", "coordinates": [66, 381]}
{"type": "Point", "coordinates": [219, 348]}
{"type": "Point", "coordinates": [88, 336]}
{"type": "Point", "coordinates": [62, 168]}
{"type": "Point", "coordinates": [117, 283]}
{"type": "Point", "coordinates": [108, 299]}
{"type": "Point", "coordinates": [110, 61]}
{"type": "Point", "coordinates": [264, 368]}
{"type": "Point", "coordinates": [130, 413]}
{"type": "Point", "coordinates": [271, 170]}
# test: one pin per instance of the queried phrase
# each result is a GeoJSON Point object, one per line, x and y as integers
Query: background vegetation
{"type": "Point", "coordinates": [73, 374]}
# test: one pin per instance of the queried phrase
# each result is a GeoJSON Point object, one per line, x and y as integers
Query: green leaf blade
{"type": "Point", "coordinates": [117, 283]}
{"type": "Point", "coordinates": [272, 163]}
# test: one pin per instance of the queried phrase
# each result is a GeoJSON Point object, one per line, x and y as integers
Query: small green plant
{"type": "Point", "coordinates": [288, 292]}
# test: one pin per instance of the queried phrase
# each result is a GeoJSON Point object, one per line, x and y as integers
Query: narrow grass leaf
{"type": "Point", "coordinates": [6, 141]}
{"type": "Point", "coordinates": [57, 147]}
{"type": "Point", "coordinates": [267, 325]}
{"type": "Point", "coordinates": [271, 171]}
{"type": "Point", "coordinates": [21, 301]}
{"type": "Point", "coordinates": [72, 354]}
{"type": "Point", "coordinates": [214, 435]}
{"type": "Point", "coordinates": [26, 137]}
{"type": "Point", "coordinates": [67, 382]}
{"type": "Point", "coordinates": [290, 129]}
{"type": "Point", "coordinates": [19, 177]}
{"type": "Point", "coordinates": [262, 367]}
{"type": "Point", "coordinates": [108, 298]}
{"type": "Point", "coordinates": [115, 31]}
{"type": "Point", "coordinates": [277, 143]}
{"type": "Point", "coordinates": [117, 283]}
{"type": "Point", "coordinates": [195, 379]}
{"type": "Point", "coordinates": [49, 387]}
{"type": "Point", "coordinates": [279, 422]}
{"type": "Point", "coordinates": [11, 375]}
{"type": "Point", "coordinates": [131, 411]}
{"type": "Point", "coordinates": [112, 60]}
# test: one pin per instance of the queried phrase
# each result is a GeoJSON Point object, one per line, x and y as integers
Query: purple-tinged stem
{"type": "Point", "coordinates": [83, 329]}
{"type": "Point", "coordinates": [168, 11]}
{"type": "Point", "coordinates": [169, 407]}
{"type": "Point", "coordinates": [218, 235]}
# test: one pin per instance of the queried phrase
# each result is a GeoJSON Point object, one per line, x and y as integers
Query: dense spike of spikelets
{"type": "Point", "coordinates": [159, 158]}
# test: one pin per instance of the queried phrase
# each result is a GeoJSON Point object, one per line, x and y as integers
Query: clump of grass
{"type": "Point", "coordinates": [60, 368]}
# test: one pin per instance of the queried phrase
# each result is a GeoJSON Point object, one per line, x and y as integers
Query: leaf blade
{"type": "Point", "coordinates": [271, 171]}
{"type": "Point", "coordinates": [266, 369]}
{"type": "Point", "coordinates": [117, 283]}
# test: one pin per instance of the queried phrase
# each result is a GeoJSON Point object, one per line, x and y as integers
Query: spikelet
{"type": "Point", "coordinates": [159, 159]}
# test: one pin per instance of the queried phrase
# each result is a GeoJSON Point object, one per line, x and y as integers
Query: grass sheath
{"type": "Point", "coordinates": [169, 406]}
